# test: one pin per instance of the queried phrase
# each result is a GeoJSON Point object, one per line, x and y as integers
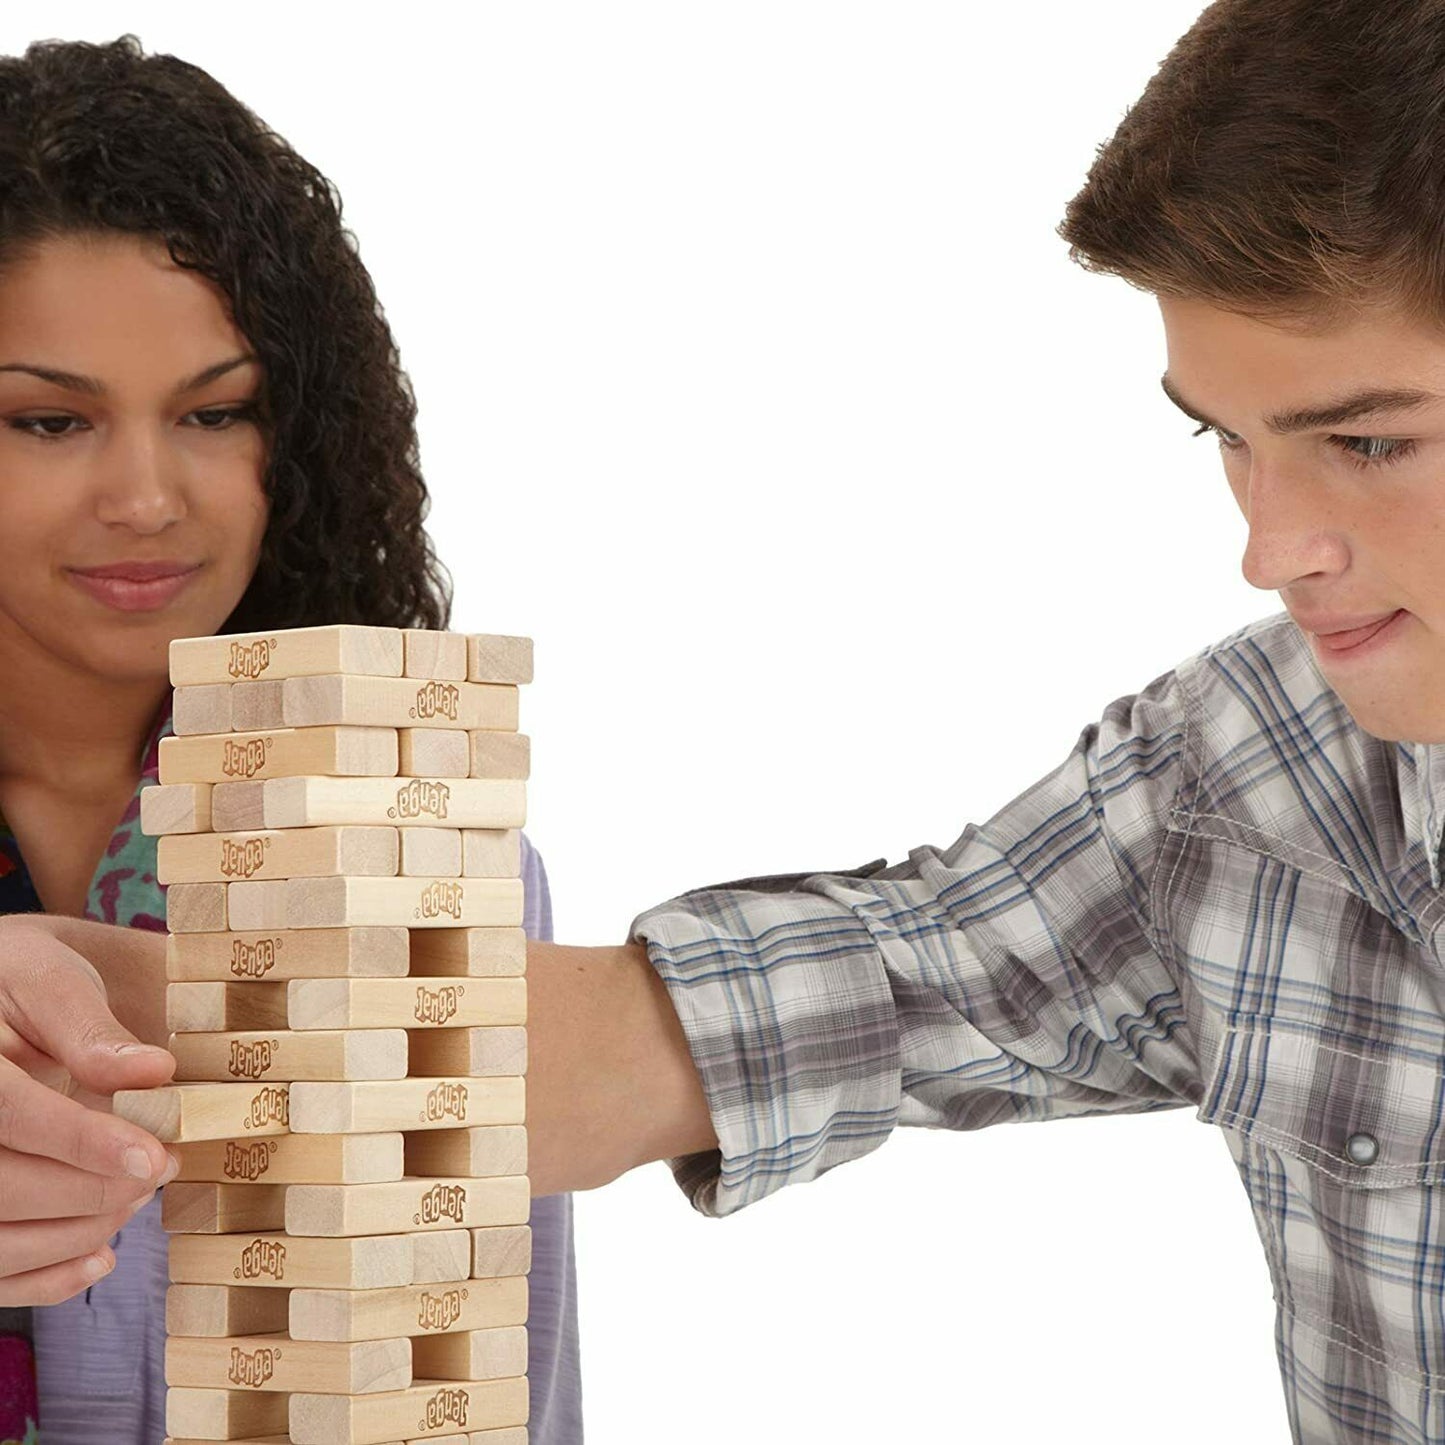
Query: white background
{"type": "Point", "coordinates": [755, 386]}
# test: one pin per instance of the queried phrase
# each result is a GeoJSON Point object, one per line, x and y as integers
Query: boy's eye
{"type": "Point", "coordinates": [1363, 452]}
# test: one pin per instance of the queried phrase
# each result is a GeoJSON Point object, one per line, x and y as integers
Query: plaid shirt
{"type": "Point", "coordinates": [1229, 897]}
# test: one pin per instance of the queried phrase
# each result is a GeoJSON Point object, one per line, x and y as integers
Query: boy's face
{"type": "Point", "coordinates": [1346, 513]}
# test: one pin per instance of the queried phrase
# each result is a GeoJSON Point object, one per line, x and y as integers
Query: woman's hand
{"type": "Point", "coordinates": [71, 1173]}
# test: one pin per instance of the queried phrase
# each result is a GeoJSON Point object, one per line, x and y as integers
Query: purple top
{"type": "Point", "coordinates": [99, 1356]}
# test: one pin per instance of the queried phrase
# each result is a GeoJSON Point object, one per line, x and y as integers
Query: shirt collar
{"type": "Point", "coordinates": [1422, 798]}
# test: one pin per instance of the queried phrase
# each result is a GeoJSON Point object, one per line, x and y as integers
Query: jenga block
{"type": "Point", "coordinates": [433, 753]}
{"type": "Point", "coordinates": [378, 1314]}
{"type": "Point", "coordinates": [276, 1260]}
{"type": "Point", "coordinates": [434, 654]}
{"type": "Point", "coordinates": [279, 753]}
{"type": "Point", "coordinates": [497, 1253]}
{"type": "Point", "coordinates": [430, 852]}
{"type": "Point", "coordinates": [202, 709]}
{"type": "Point", "coordinates": [179, 808]}
{"type": "Point", "coordinates": [295, 652]}
{"type": "Point", "coordinates": [278, 853]}
{"type": "Point", "coordinates": [417, 802]}
{"type": "Point", "coordinates": [222, 1007]}
{"type": "Point", "coordinates": [469, 953]}
{"type": "Point", "coordinates": [380, 1003]}
{"type": "Point", "coordinates": [495, 1354]}
{"type": "Point", "coordinates": [223, 1414]}
{"type": "Point", "coordinates": [196, 907]}
{"type": "Point", "coordinates": [373, 1108]}
{"type": "Point", "coordinates": [256, 905]}
{"type": "Point", "coordinates": [238, 807]}
{"type": "Point", "coordinates": [499, 755]}
{"type": "Point", "coordinates": [485, 1153]}
{"type": "Point", "coordinates": [517, 1435]}
{"type": "Point", "coordinates": [196, 1208]}
{"type": "Point", "coordinates": [256, 706]}
{"type": "Point", "coordinates": [383, 702]}
{"type": "Point", "coordinates": [296, 1159]}
{"type": "Point", "coordinates": [486, 1053]}
{"type": "Point", "coordinates": [212, 1111]}
{"type": "Point", "coordinates": [491, 852]}
{"type": "Point", "coordinates": [277, 954]}
{"type": "Point", "coordinates": [428, 1408]}
{"type": "Point", "coordinates": [495, 658]}
{"type": "Point", "coordinates": [409, 902]}
{"type": "Point", "coordinates": [409, 1204]}
{"type": "Point", "coordinates": [277, 1362]}
{"type": "Point", "coordinates": [441, 1258]}
{"type": "Point", "coordinates": [315, 1054]}
{"type": "Point", "coordinates": [218, 1310]}
{"type": "Point", "coordinates": [261, 1439]}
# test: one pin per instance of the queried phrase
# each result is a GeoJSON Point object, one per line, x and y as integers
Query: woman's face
{"type": "Point", "coordinates": [131, 456]}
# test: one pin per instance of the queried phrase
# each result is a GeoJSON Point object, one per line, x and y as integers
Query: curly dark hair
{"type": "Point", "coordinates": [107, 138]}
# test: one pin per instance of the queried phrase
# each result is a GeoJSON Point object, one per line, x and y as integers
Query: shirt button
{"type": "Point", "coordinates": [1362, 1149]}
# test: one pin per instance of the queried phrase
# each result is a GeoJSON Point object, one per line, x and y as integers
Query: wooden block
{"type": "Point", "coordinates": [178, 808]}
{"type": "Point", "coordinates": [499, 755]}
{"type": "Point", "coordinates": [297, 651]}
{"type": "Point", "coordinates": [495, 1354]}
{"type": "Point", "coordinates": [469, 953]}
{"type": "Point", "coordinates": [434, 654]}
{"type": "Point", "coordinates": [257, 905]}
{"type": "Point", "coordinates": [409, 1204]}
{"type": "Point", "coordinates": [515, 1436]}
{"type": "Point", "coordinates": [495, 658]}
{"type": "Point", "coordinates": [417, 802]}
{"type": "Point", "coordinates": [277, 1362]}
{"type": "Point", "coordinates": [428, 1408]}
{"type": "Point", "coordinates": [384, 702]}
{"type": "Point", "coordinates": [278, 853]}
{"type": "Point", "coordinates": [280, 753]}
{"type": "Point", "coordinates": [491, 852]}
{"type": "Point", "coordinates": [218, 1310]}
{"type": "Point", "coordinates": [484, 1053]}
{"type": "Point", "coordinates": [430, 852]}
{"type": "Point", "coordinates": [381, 1003]}
{"type": "Point", "coordinates": [275, 954]}
{"type": "Point", "coordinates": [441, 1258]}
{"type": "Point", "coordinates": [276, 1260]}
{"type": "Point", "coordinates": [408, 902]}
{"type": "Point", "coordinates": [295, 1159]}
{"type": "Point", "coordinates": [497, 1253]}
{"type": "Point", "coordinates": [223, 1007]}
{"type": "Point", "coordinates": [202, 709]}
{"type": "Point", "coordinates": [256, 706]}
{"type": "Point", "coordinates": [213, 1111]}
{"type": "Point", "coordinates": [433, 753]}
{"type": "Point", "coordinates": [284, 1055]}
{"type": "Point", "coordinates": [378, 1314]}
{"type": "Point", "coordinates": [223, 1414]}
{"type": "Point", "coordinates": [256, 1439]}
{"type": "Point", "coordinates": [196, 907]}
{"type": "Point", "coordinates": [197, 1208]}
{"type": "Point", "coordinates": [485, 1153]}
{"type": "Point", "coordinates": [374, 1108]}
{"type": "Point", "coordinates": [237, 807]}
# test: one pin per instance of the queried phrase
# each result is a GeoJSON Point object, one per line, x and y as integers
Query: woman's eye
{"type": "Point", "coordinates": [210, 418]}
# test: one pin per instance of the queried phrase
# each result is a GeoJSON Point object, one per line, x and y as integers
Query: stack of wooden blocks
{"type": "Point", "coordinates": [339, 815]}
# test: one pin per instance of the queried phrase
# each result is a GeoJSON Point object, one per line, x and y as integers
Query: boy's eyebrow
{"type": "Point", "coordinates": [1371, 402]}
{"type": "Point", "coordinates": [71, 381]}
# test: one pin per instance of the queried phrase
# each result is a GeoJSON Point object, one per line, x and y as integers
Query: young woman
{"type": "Point", "coordinates": [204, 428]}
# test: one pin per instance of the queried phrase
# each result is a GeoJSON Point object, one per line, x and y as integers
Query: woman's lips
{"type": "Point", "coordinates": [133, 593]}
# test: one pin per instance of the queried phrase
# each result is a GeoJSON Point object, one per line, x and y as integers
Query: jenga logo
{"type": "Point", "coordinates": [247, 1162]}
{"type": "Point", "coordinates": [446, 1099]}
{"type": "Point", "coordinates": [244, 760]}
{"type": "Point", "coordinates": [253, 960]}
{"type": "Point", "coordinates": [262, 1257]}
{"type": "Point", "coordinates": [252, 1367]}
{"type": "Point", "coordinates": [441, 897]}
{"type": "Point", "coordinates": [251, 1061]}
{"type": "Point", "coordinates": [442, 1201]}
{"type": "Point", "coordinates": [250, 659]}
{"type": "Point", "coordinates": [436, 699]}
{"type": "Point", "coordinates": [436, 1005]}
{"type": "Point", "coordinates": [440, 1311]}
{"type": "Point", "coordinates": [270, 1106]}
{"type": "Point", "coordinates": [419, 796]}
{"type": "Point", "coordinates": [446, 1407]}
{"type": "Point", "coordinates": [243, 859]}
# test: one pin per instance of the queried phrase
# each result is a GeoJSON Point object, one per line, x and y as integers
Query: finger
{"type": "Point", "coordinates": [28, 1246]}
{"type": "Point", "coordinates": [56, 1282]}
{"type": "Point", "coordinates": [32, 1187]}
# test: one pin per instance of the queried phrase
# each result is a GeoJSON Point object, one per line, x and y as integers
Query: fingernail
{"type": "Point", "coordinates": [173, 1167]}
{"type": "Point", "coordinates": [140, 1204]}
{"type": "Point", "coordinates": [138, 1163]}
{"type": "Point", "coordinates": [138, 1049]}
{"type": "Point", "coordinates": [95, 1267]}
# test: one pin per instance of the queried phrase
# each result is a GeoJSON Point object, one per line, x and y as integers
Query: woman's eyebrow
{"type": "Point", "coordinates": [92, 386]}
{"type": "Point", "coordinates": [1373, 401]}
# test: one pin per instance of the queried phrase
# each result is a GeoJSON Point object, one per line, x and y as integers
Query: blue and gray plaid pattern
{"type": "Point", "coordinates": [1229, 897]}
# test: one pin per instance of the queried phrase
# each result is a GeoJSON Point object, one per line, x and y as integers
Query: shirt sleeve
{"type": "Point", "coordinates": [1016, 975]}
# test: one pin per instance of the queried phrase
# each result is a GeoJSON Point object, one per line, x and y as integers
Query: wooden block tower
{"type": "Point", "coordinates": [339, 817]}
